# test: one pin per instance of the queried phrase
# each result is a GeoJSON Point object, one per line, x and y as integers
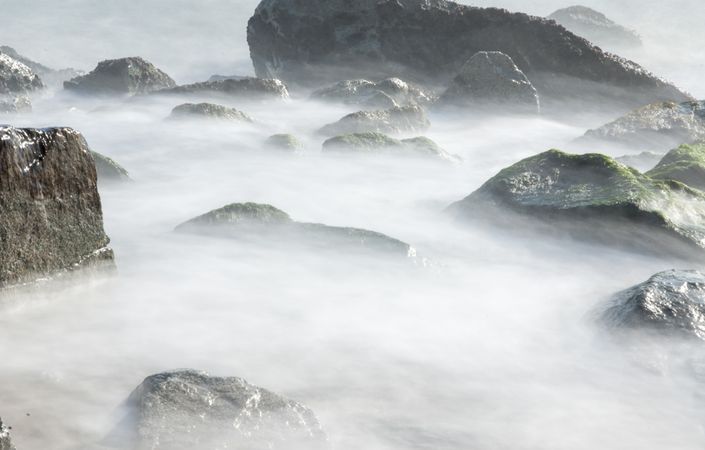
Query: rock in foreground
{"type": "Point", "coordinates": [593, 197]}
{"type": "Point", "coordinates": [243, 88]}
{"type": "Point", "coordinates": [685, 164]}
{"type": "Point", "coordinates": [381, 144]}
{"type": "Point", "coordinates": [596, 27]}
{"type": "Point", "coordinates": [209, 111]}
{"type": "Point", "coordinates": [125, 76]}
{"type": "Point", "coordinates": [51, 218]}
{"type": "Point", "coordinates": [400, 120]}
{"type": "Point", "coordinates": [5, 441]}
{"type": "Point", "coordinates": [188, 410]}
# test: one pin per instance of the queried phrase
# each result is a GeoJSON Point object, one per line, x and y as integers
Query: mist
{"type": "Point", "coordinates": [490, 346]}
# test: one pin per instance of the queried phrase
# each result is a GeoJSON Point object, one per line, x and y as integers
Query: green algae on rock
{"type": "Point", "coordinates": [685, 164]}
{"type": "Point", "coordinates": [379, 144]}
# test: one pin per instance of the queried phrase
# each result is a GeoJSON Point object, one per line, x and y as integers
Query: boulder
{"type": "Point", "coordinates": [16, 78]}
{"type": "Point", "coordinates": [381, 144]}
{"type": "Point", "coordinates": [596, 27]}
{"type": "Point", "coordinates": [51, 219]}
{"type": "Point", "coordinates": [658, 126]}
{"type": "Point", "coordinates": [318, 42]}
{"type": "Point", "coordinates": [5, 441]}
{"type": "Point", "coordinates": [209, 111]}
{"type": "Point", "coordinates": [245, 88]}
{"type": "Point", "coordinates": [125, 76]}
{"type": "Point", "coordinates": [185, 410]}
{"type": "Point", "coordinates": [48, 75]}
{"type": "Point", "coordinates": [254, 221]}
{"type": "Point", "coordinates": [491, 80]}
{"type": "Point", "coordinates": [384, 94]}
{"type": "Point", "coordinates": [671, 302]}
{"type": "Point", "coordinates": [641, 161]}
{"type": "Point", "coordinates": [108, 170]}
{"type": "Point", "coordinates": [284, 142]}
{"type": "Point", "coordinates": [400, 120]}
{"type": "Point", "coordinates": [592, 197]}
{"type": "Point", "coordinates": [685, 164]}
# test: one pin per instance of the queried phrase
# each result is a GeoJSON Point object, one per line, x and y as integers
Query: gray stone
{"type": "Point", "coordinates": [400, 120]}
{"type": "Point", "coordinates": [384, 94]}
{"type": "Point", "coordinates": [381, 144]}
{"type": "Point", "coordinates": [5, 441]}
{"type": "Point", "coordinates": [596, 27]}
{"type": "Point", "coordinates": [284, 142]}
{"type": "Point", "coordinates": [245, 88]}
{"type": "Point", "coordinates": [48, 75]}
{"type": "Point", "coordinates": [17, 78]}
{"type": "Point", "coordinates": [125, 76]}
{"type": "Point", "coordinates": [108, 170]}
{"type": "Point", "coordinates": [209, 111]}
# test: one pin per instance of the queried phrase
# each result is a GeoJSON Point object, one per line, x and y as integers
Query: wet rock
{"type": "Point", "coordinates": [184, 410]}
{"type": "Point", "coordinates": [318, 42]}
{"type": "Point", "coordinates": [685, 164]}
{"type": "Point", "coordinates": [381, 144]}
{"type": "Point", "coordinates": [385, 94]}
{"type": "Point", "coordinates": [491, 80]}
{"type": "Point", "coordinates": [596, 27]}
{"type": "Point", "coordinates": [5, 441]}
{"type": "Point", "coordinates": [209, 111]}
{"type": "Point", "coordinates": [125, 76]}
{"type": "Point", "coordinates": [252, 221]}
{"type": "Point", "coordinates": [284, 142]}
{"type": "Point", "coordinates": [658, 126]}
{"type": "Point", "coordinates": [48, 75]}
{"type": "Point", "coordinates": [17, 78]}
{"type": "Point", "coordinates": [245, 88]}
{"type": "Point", "coordinates": [592, 197]}
{"type": "Point", "coordinates": [401, 120]}
{"type": "Point", "coordinates": [671, 302]}
{"type": "Point", "coordinates": [19, 104]}
{"type": "Point", "coordinates": [51, 219]}
{"type": "Point", "coordinates": [108, 170]}
{"type": "Point", "coordinates": [642, 161]}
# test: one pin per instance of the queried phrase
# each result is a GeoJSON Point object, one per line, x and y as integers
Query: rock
{"type": "Point", "coordinates": [596, 27]}
{"type": "Point", "coordinates": [125, 76]}
{"type": "Point", "coordinates": [378, 143]}
{"type": "Point", "coordinates": [51, 219]}
{"type": "Point", "coordinates": [386, 94]}
{"type": "Point", "coordinates": [17, 78]}
{"type": "Point", "coordinates": [671, 302]}
{"type": "Point", "coordinates": [491, 80]}
{"type": "Point", "coordinates": [258, 221]}
{"type": "Point", "coordinates": [209, 111]}
{"type": "Point", "coordinates": [685, 164]}
{"type": "Point", "coordinates": [657, 126]}
{"type": "Point", "coordinates": [226, 77]}
{"type": "Point", "coordinates": [407, 119]}
{"type": "Point", "coordinates": [246, 88]}
{"type": "Point", "coordinates": [185, 410]}
{"type": "Point", "coordinates": [318, 42]}
{"type": "Point", "coordinates": [642, 162]}
{"type": "Point", "coordinates": [48, 75]}
{"type": "Point", "coordinates": [592, 197]}
{"type": "Point", "coordinates": [19, 104]}
{"type": "Point", "coordinates": [108, 170]}
{"type": "Point", "coordinates": [5, 441]}
{"type": "Point", "coordinates": [285, 142]}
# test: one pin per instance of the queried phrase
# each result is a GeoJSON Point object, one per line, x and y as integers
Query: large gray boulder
{"type": "Point", "coordinates": [491, 80]}
{"type": "Point", "coordinates": [51, 218]}
{"type": "Point", "coordinates": [186, 410]}
{"type": "Point", "coordinates": [319, 42]}
{"type": "Point", "coordinates": [381, 144]}
{"type": "Point", "coordinates": [125, 76]}
{"type": "Point", "coordinates": [596, 27]}
{"type": "Point", "coordinates": [240, 88]}
{"type": "Point", "coordinates": [5, 441]}
{"type": "Point", "coordinates": [398, 120]}
{"type": "Point", "coordinates": [16, 78]}
{"type": "Point", "coordinates": [388, 93]}
{"type": "Point", "coordinates": [209, 111]}
{"type": "Point", "coordinates": [592, 197]}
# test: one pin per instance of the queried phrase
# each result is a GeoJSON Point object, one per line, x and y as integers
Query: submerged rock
{"type": "Point", "coordinates": [17, 78]}
{"type": "Point", "coordinates": [245, 88]}
{"type": "Point", "coordinates": [685, 164]}
{"type": "Point", "coordinates": [671, 302]}
{"type": "Point", "coordinates": [48, 75]}
{"type": "Point", "coordinates": [492, 80]}
{"type": "Point", "coordinates": [378, 143]}
{"type": "Point", "coordinates": [593, 197]}
{"type": "Point", "coordinates": [642, 161]}
{"type": "Point", "coordinates": [385, 94]}
{"type": "Point", "coordinates": [408, 119]}
{"type": "Point", "coordinates": [209, 111]}
{"type": "Point", "coordinates": [125, 76]}
{"type": "Point", "coordinates": [5, 441]}
{"type": "Point", "coordinates": [657, 126]}
{"type": "Point", "coordinates": [318, 42]}
{"type": "Point", "coordinates": [285, 142]}
{"type": "Point", "coordinates": [51, 218]}
{"type": "Point", "coordinates": [108, 170]}
{"type": "Point", "coordinates": [185, 410]}
{"type": "Point", "coordinates": [258, 221]}
{"type": "Point", "coordinates": [596, 27]}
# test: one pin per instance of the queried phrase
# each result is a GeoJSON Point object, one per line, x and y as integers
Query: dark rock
{"type": "Point", "coordinates": [671, 302]}
{"type": "Point", "coordinates": [108, 170]}
{"type": "Point", "coordinates": [401, 120]}
{"type": "Point", "coordinates": [51, 219]}
{"type": "Point", "coordinates": [48, 75]}
{"type": "Point", "coordinates": [492, 80]}
{"type": "Point", "coordinates": [246, 88]}
{"type": "Point", "coordinates": [125, 76]}
{"type": "Point", "coordinates": [426, 41]}
{"type": "Point", "coordinates": [185, 410]}
{"type": "Point", "coordinates": [642, 161]}
{"type": "Point", "coordinates": [17, 78]}
{"type": "Point", "coordinates": [685, 164]}
{"type": "Point", "coordinates": [284, 142]}
{"type": "Point", "coordinates": [5, 441]}
{"type": "Point", "coordinates": [385, 94]}
{"type": "Point", "coordinates": [257, 221]}
{"type": "Point", "coordinates": [378, 144]}
{"type": "Point", "coordinates": [596, 27]}
{"type": "Point", "coordinates": [209, 111]}
{"type": "Point", "coordinates": [593, 197]}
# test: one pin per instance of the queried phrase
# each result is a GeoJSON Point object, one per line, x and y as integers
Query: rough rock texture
{"type": "Point", "coordinates": [657, 126]}
{"type": "Point", "coordinates": [378, 144]}
{"type": "Point", "coordinates": [642, 161]}
{"type": "Point", "coordinates": [125, 76]}
{"type": "Point", "coordinates": [17, 78]}
{"type": "Point", "coordinates": [284, 142]}
{"type": "Point", "coordinates": [108, 170]}
{"type": "Point", "coordinates": [401, 120]}
{"type": "Point", "coordinates": [671, 302]}
{"type": "Point", "coordinates": [685, 164]}
{"type": "Point", "coordinates": [245, 88]}
{"type": "Point", "coordinates": [492, 80]}
{"type": "Point", "coordinates": [596, 27]}
{"type": "Point", "coordinates": [385, 94]}
{"type": "Point", "coordinates": [51, 217]}
{"type": "Point", "coordinates": [593, 197]}
{"type": "Point", "coordinates": [186, 410]}
{"type": "Point", "coordinates": [323, 41]}
{"type": "Point", "coordinates": [48, 75]}
{"type": "Point", "coordinates": [209, 111]}
{"type": "Point", "coordinates": [258, 221]}
{"type": "Point", "coordinates": [5, 441]}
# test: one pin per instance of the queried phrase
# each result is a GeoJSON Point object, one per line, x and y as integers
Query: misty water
{"type": "Point", "coordinates": [490, 344]}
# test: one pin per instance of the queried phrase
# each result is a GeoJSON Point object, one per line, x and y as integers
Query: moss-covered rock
{"type": "Point", "coordinates": [284, 142]}
{"type": "Point", "coordinates": [685, 164]}
{"type": "Point", "coordinates": [408, 119]}
{"type": "Point", "coordinates": [108, 170]}
{"type": "Point", "coordinates": [124, 76]}
{"type": "Point", "coordinates": [378, 144]}
{"type": "Point", "coordinates": [593, 197]}
{"type": "Point", "coordinates": [208, 111]}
